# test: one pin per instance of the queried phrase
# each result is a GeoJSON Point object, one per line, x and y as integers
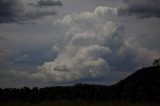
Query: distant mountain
{"type": "Point", "coordinates": [143, 85]}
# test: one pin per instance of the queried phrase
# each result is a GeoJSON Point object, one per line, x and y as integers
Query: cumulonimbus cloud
{"type": "Point", "coordinates": [91, 45]}
{"type": "Point", "coordinates": [85, 45]}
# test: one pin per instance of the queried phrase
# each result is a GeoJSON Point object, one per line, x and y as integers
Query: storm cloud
{"type": "Point", "coordinates": [82, 45]}
{"type": "Point", "coordinates": [13, 11]}
{"type": "Point", "coordinates": [94, 46]}
{"type": "Point", "coordinates": [47, 3]}
{"type": "Point", "coordinates": [141, 8]}
{"type": "Point", "coordinates": [37, 14]}
{"type": "Point", "coordinates": [10, 11]}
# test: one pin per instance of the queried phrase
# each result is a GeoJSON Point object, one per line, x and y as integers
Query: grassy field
{"type": "Point", "coordinates": [76, 103]}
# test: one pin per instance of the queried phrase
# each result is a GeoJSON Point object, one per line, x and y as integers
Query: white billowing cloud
{"type": "Point", "coordinates": [85, 45]}
{"type": "Point", "coordinates": [72, 64]}
{"type": "Point", "coordinates": [55, 49]}
{"type": "Point", "coordinates": [93, 44]}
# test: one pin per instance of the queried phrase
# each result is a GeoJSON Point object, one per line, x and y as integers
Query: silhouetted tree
{"type": "Point", "coordinates": [156, 62]}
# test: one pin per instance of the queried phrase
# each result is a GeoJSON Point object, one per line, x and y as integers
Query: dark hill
{"type": "Point", "coordinates": [143, 85]}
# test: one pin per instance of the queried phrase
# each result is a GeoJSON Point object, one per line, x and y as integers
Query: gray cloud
{"type": "Point", "coordinates": [2, 38]}
{"type": "Point", "coordinates": [37, 14]}
{"type": "Point", "coordinates": [47, 3]}
{"type": "Point", "coordinates": [10, 11]}
{"type": "Point", "coordinates": [141, 8]}
{"type": "Point", "coordinates": [13, 11]}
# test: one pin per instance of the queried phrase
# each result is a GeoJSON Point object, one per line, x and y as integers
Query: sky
{"type": "Point", "coordinates": [64, 42]}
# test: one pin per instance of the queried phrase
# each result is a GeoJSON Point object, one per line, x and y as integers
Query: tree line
{"type": "Point", "coordinates": [143, 85]}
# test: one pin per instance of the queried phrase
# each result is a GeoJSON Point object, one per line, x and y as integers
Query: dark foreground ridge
{"type": "Point", "coordinates": [143, 85]}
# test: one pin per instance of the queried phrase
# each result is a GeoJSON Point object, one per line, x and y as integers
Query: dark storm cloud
{"type": "Point", "coordinates": [13, 11]}
{"type": "Point", "coordinates": [47, 3]}
{"type": "Point", "coordinates": [2, 38]}
{"type": "Point", "coordinates": [39, 14]}
{"type": "Point", "coordinates": [141, 8]}
{"type": "Point", "coordinates": [10, 11]}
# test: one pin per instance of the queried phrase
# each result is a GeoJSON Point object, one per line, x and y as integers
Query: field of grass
{"type": "Point", "coordinates": [76, 103]}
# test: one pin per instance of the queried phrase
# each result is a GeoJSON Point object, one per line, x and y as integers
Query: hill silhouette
{"type": "Point", "coordinates": [143, 85]}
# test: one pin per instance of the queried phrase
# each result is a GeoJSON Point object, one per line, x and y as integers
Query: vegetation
{"type": "Point", "coordinates": [76, 103]}
{"type": "Point", "coordinates": [141, 87]}
{"type": "Point", "coordinates": [156, 62]}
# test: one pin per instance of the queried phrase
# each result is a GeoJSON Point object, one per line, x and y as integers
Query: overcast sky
{"type": "Point", "coordinates": [63, 42]}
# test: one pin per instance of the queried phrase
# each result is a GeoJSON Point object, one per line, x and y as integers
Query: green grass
{"type": "Point", "coordinates": [76, 103]}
